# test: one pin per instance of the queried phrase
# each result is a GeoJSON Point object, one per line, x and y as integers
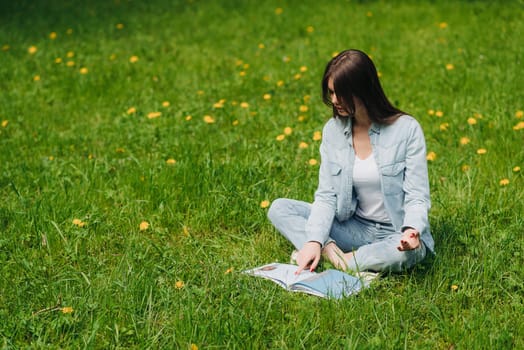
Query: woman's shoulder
{"type": "Point", "coordinates": [336, 124]}
{"type": "Point", "coordinates": [406, 122]}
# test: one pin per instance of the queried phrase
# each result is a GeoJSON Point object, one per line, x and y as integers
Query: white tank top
{"type": "Point", "coordinates": [366, 181]}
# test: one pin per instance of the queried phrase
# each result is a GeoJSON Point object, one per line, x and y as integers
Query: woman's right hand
{"type": "Point", "coordinates": [308, 256]}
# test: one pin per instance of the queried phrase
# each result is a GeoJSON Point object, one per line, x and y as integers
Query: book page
{"type": "Point", "coordinates": [330, 283]}
{"type": "Point", "coordinates": [283, 274]}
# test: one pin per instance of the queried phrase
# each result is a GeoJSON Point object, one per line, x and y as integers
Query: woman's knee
{"type": "Point", "coordinates": [276, 209]}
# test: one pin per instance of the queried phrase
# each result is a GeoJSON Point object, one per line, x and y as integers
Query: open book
{"type": "Point", "coordinates": [333, 284]}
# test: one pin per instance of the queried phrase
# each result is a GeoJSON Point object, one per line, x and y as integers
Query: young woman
{"type": "Point", "coordinates": [371, 207]}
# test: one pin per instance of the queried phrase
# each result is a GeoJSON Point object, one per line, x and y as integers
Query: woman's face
{"type": "Point", "coordinates": [337, 104]}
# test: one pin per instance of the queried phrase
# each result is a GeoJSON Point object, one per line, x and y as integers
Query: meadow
{"type": "Point", "coordinates": [141, 143]}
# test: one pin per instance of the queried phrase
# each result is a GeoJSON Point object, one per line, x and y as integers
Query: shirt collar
{"type": "Point", "coordinates": [345, 124]}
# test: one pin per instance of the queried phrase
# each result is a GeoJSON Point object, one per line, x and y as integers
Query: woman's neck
{"type": "Point", "coordinates": [361, 118]}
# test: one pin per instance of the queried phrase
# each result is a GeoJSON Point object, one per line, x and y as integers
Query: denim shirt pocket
{"type": "Point", "coordinates": [335, 170]}
{"type": "Point", "coordinates": [393, 177]}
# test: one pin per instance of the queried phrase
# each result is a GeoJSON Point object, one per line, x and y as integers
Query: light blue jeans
{"type": "Point", "coordinates": [374, 245]}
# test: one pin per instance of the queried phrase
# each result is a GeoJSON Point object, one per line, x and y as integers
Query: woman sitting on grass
{"type": "Point", "coordinates": [371, 207]}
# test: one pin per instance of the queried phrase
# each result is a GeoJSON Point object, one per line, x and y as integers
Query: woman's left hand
{"type": "Point", "coordinates": [410, 240]}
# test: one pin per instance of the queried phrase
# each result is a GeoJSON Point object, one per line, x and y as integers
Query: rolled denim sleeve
{"type": "Point", "coordinates": [416, 183]}
{"type": "Point", "coordinates": [323, 208]}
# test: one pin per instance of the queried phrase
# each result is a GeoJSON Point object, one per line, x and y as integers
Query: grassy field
{"type": "Point", "coordinates": [140, 143]}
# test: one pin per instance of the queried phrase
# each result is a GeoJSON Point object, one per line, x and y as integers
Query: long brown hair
{"type": "Point", "coordinates": [354, 74]}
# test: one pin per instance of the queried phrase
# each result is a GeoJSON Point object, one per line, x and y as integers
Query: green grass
{"type": "Point", "coordinates": [69, 150]}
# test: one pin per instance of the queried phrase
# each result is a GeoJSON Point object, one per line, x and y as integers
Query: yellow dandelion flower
{"type": "Point", "coordinates": [133, 59]}
{"type": "Point", "coordinates": [504, 182]}
{"type": "Point", "coordinates": [242, 73]}
{"type": "Point", "coordinates": [78, 222]}
{"type": "Point", "coordinates": [288, 130]}
{"type": "Point", "coordinates": [313, 162]}
{"type": "Point", "coordinates": [450, 66]}
{"type": "Point", "coordinates": [58, 60]}
{"type": "Point", "coordinates": [171, 161]}
{"type": "Point", "coordinates": [229, 271]}
{"type": "Point", "coordinates": [303, 108]}
{"type": "Point", "coordinates": [279, 10]}
{"type": "Point", "coordinates": [519, 114]}
{"type": "Point", "coordinates": [439, 114]}
{"type": "Point", "coordinates": [280, 137]}
{"type": "Point", "coordinates": [317, 136]}
{"type": "Point", "coordinates": [310, 29]}
{"type": "Point", "coordinates": [70, 54]}
{"type": "Point", "coordinates": [267, 97]}
{"type": "Point", "coordinates": [32, 50]}
{"type": "Point", "coordinates": [66, 309]}
{"type": "Point", "coordinates": [209, 119]}
{"type": "Point", "coordinates": [431, 156]}
{"type": "Point", "coordinates": [280, 83]}
{"type": "Point", "coordinates": [444, 126]}
{"type": "Point", "coordinates": [193, 347]}
{"type": "Point", "coordinates": [51, 158]}
{"type": "Point", "coordinates": [472, 121]}
{"type": "Point", "coordinates": [301, 118]}
{"type": "Point", "coordinates": [70, 63]}
{"type": "Point", "coordinates": [303, 145]}
{"type": "Point", "coordinates": [153, 115]}
{"type": "Point", "coordinates": [119, 26]}
{"type": "Point", "coordinates": [306, 98]}
{"type": "Point", "coordinates": [52, 35]}
{"type": "Point", "coordinates": [297, 76]}
{"type": "Point", "coordinates": [519, 126]}
{"type": "Point", "coordinates": [144, 225]}
{"type": "Point", "coordinates": [516, 169]}
{"type": "Point", "coordinates": [261, 46]}
{"type": "Point", "coordinates": [179, 284]}
{"type": "Point", "coordinates": [36, 78]}
{"type": "Point", "coordinates": [431, 112]}
{"type": "Point", "coordinates": [188, 117]}
{"type": "Point", "coordinates": [482, 151]}
{"type": "Point", "coordinates": [465, 168]}
{"type": "Point", "coordinates": [246, 66]}
{"type": "Point", "coordinates": [235, 122]}
{"type": "Point", "coordinates": [264, 204]}
{"type": "Point", "coordinates": [131, 110]}
{"type": "Point", "coordinates": [443, 25]}
{"type": "Point", "coordinates": [464, 140]}
{"type": "Point", "coordinates": [244, 105]}
{"type": "Point", "coordinates": [454, 287]}
{"type": "Point", "coordinates": [166, 104]}
{"type": "Point", "coordinates": [4, 123]}
{"type": "Point", "coordinates": [83, 70]}
{"type": "Point", "coordinates": [218, 105]}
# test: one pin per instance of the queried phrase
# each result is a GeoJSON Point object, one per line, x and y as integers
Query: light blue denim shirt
{"type": "Point", "coordinates": [400, 152]}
